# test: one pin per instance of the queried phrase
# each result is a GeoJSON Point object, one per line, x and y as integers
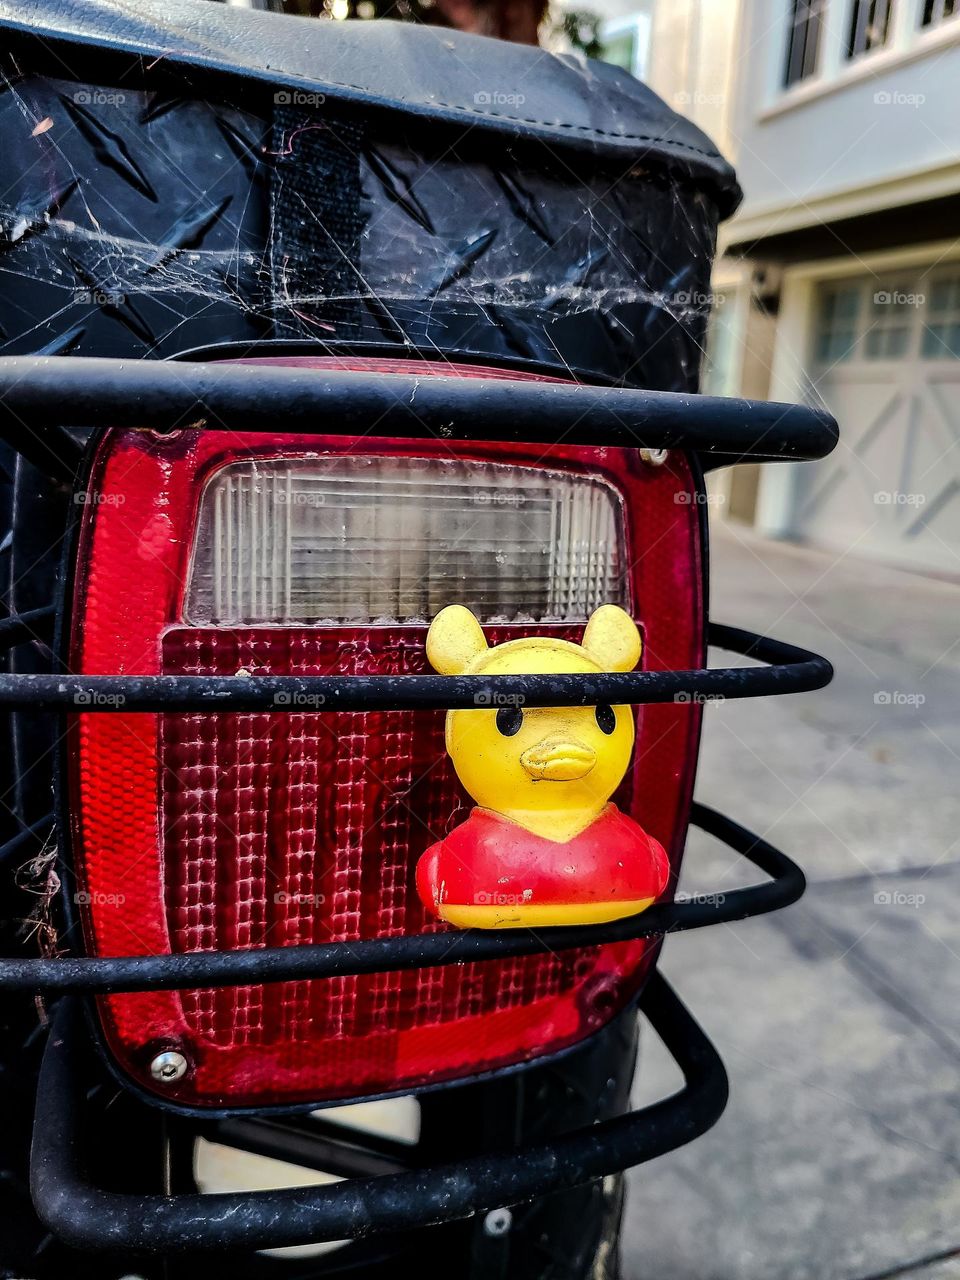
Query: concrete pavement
{"type": "Point", "coordinates": [839, 1020]}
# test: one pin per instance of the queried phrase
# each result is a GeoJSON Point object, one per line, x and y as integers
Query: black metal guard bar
{"type": "Point", "coordinates": [194, 970]}
{"type": "Point", "coordinates": [33, 624]}
{"type": "Point", "coordinates": [84, 391]}
{"type": "Point", "coordinates": [296, 1140]}
{"type": "Point", "coordinates": [46, 446]}
{"type": "Point", "coordinates": [788, 670]}
{"type": "Point", "coordinates": [88, 1217]}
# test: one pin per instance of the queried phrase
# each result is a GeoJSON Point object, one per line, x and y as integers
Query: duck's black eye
{"type": "Point", "coordinates": [606, 719]}
{"type": "Point", "coordinates": [509, 720]}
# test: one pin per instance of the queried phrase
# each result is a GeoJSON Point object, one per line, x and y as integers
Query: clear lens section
{"type": "Point", "coordinates": [394, 539]}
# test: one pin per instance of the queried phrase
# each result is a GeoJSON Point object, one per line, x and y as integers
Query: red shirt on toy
{"type": "Point", "coordinates": [491, 867]}
{"type": "Point", "coordinates": [544, 846]}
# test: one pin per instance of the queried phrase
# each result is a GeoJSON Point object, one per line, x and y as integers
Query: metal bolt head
{"type": "Point", "coordinates": [168, 1066]}
{"type": "Point", "coordinates": [654, 457]}
{"type": "Point", "coordinates": [498, 1222]}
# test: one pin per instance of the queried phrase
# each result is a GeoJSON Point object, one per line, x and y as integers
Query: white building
{"type": "Point", "coordinates": [840, 280]}
{"type": "Point", "coordinates": [847, 120]}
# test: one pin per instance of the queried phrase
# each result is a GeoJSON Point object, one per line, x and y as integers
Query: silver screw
{"type": "Point", "coordinates": [498, 1222]}
{"type": "Point", "coordinates": [654, 457]}
{"type": "Point", "coordinates": [168, 1066]}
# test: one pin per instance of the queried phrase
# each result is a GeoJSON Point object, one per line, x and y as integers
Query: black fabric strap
{"type": "Point", "coordinates": [317, 221]}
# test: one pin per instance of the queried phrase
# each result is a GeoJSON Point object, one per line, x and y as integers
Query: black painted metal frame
{"type": "Point", "coordinates": [88, 1217]}
{"type": "Point", "coordinates": [40, 394]}
{"type": "Point", "coordinates": [39, 399]}
{"type": "Point", "coordinates": [189, 971]}
{"type": "Point", "coordinates": [786, 669]}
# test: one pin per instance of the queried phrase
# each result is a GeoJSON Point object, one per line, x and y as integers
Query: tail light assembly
{"type": "Point", "coordinates": [227, 553]}
{"type": "Point", "coordinates": [254, 759]}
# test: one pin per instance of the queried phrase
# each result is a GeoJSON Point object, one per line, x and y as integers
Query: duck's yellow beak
{"type": "Point", "coordinates": [558, 760]}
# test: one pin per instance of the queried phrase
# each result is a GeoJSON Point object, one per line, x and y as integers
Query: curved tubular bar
{"type": "Point", "coordinates": [193, 970]}
{"type": "Point", "coordinates": [47, 446]}
{"type": "Point", "coordinates": [788, 670]}
{"type": "Point", "coordinates": [85, 391]}
{"type": "Point", "coordinates": [88, 1217]}
{"type": "Point", "coordinates": [33, 624]}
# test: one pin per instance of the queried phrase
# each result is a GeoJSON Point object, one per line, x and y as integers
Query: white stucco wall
{"type": "Point", "coordinates": [692, 61]}
{"type": "Point", "coordinates": [859, 133]}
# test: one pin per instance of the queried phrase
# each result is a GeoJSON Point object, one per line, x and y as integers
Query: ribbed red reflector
{"type": "Point", "coordinates": [202, 832]}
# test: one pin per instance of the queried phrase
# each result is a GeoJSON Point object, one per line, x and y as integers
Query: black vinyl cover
{"type": "Point", "coordinates": [183, 173]}
{"type": "Point", "coordinates": [423, 71]}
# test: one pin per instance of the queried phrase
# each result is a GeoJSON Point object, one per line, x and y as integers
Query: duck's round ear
{"type": "Point", "coordinates": [454, 640]}
{"type": "Point", "coordinates": [612, 639]}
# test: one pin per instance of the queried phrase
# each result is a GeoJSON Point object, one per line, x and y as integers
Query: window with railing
{"type": "Point", "coordinates": [935, 11]}
{"type": "Point", "coordinates": [803, 41]}
{"type": "Point", "coordinates": [869, 26]}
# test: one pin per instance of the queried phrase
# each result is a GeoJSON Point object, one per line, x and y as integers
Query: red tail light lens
{"type": "Point", "coordinates": [212, 552]}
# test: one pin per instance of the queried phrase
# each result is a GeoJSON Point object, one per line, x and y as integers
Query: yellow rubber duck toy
{"type": "Point", "coordinates": [544, 846]}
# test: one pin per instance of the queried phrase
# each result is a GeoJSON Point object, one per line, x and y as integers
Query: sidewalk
{"type": "Point", "coordinates": [838, 1157]}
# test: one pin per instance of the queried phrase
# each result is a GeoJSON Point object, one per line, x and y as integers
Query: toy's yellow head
{"type": "Point", "coordinates": [552, 769]}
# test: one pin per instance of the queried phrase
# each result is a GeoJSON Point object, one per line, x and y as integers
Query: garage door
{"type": "Point", "coordinates": [886, 361]}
